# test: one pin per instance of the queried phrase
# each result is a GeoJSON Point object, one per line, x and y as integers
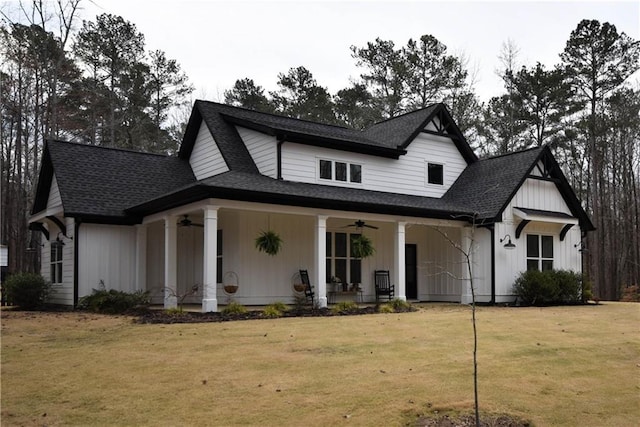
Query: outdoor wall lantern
{"type": "Point", "coordinates": [58, 241]}
{"type": "Point", "coordinates": [509, 245]}
{"type": "Point", "coordinates": [581, 246]}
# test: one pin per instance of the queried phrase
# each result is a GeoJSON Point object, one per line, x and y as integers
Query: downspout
{"type": "Point", "coordinates": [281, 140]}
{"type": "Point", "coordinates": [76, 251]}
{"type": "Point", "coordinates": [493, 265]}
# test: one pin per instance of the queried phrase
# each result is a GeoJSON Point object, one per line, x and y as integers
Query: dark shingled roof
{"type": "Point", "coordinates": [259, 188]}
{"type": "Point", "coordinates": [119, 186]}
{"type": "Point", "coordinates": [100, 183]}
{"type": "Point", "coordinates": [485, 187]}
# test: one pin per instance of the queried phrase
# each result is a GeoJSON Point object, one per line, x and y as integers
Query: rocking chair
{"type": "Point", "coordinates": [383, 285]}
{"type": "Point", "coordinates": [308, 289]}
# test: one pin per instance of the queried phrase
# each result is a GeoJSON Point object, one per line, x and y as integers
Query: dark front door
{"type": "Point", "coordinates": [411, 270]}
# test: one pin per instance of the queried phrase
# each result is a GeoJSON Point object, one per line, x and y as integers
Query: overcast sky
{"type": "Point", "coordinates": [217, 42]}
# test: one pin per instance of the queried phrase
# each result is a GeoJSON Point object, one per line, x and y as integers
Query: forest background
{"type": "Point", "coordinates": [95, 82]}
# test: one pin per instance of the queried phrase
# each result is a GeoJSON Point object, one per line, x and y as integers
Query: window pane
{"type": "Point", "coordinates": [325, 169]}
{"type": "Point", "coordinates": [532, 264]}
{"type": "Point", "coordinates": [356, 271]}
{"type": "Point", "coordinates": [341, 171]}
{"type": "Point", "coordinates": [329, 248]}
{"type": "Point", "coordinates": [53, 273]}
{"type": "Point", "coordinates": [351, 238]}
{"type": "Point", "coordinates": [219, 270]}
{"type": "Point", "coordinates": [341, 269]}
{"type": "Point", "coordinates": [59, 271]}
{"type": "Point", "coordinates": [434, 173]}
{"type": "Point", "coordinates": [327, 271]}
{"type": "Point", "coordinates": [341, 245]}
{"type": "Point", "coordinates": [547, 247]}
{"type": "Point", "coordinates": [547, 265]}
{"type": "Point", "coordinates": [533, 250]}
{"type": "Point", "coordinates": [219, 248]}
{"type": "Point", "coordinates": [356, 173]}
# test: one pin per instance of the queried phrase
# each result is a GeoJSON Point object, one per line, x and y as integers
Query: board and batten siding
{"type": "Point", "coordinates": [206, 159]}
{"type": "Point", "coordinates": [107, 254]}
{"type": "Point", "coordinates": [533, 194]}
{"type": "Point", "coordinates": [407, 175]}
{"type": "Point", "coordinates": [54, 200]}
{"type": "Point", "coordinates": [263, 149]}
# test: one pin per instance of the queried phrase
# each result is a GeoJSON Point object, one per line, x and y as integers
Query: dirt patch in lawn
{"type": "Point", "coordinates": [470, 421]}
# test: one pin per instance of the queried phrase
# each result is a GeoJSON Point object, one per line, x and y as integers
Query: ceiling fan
{"type": "Point", "coordinates": [360, 224]}
{"type": "Point", "coordinates": [186, 222]}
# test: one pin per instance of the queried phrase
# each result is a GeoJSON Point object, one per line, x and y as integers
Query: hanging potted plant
{"type": "Point", "coordinates": [362, 246]}
{"type": "Point", "coordinates": [269, 241]}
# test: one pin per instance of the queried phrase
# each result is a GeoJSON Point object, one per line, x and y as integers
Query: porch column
{"type": "Point", "coordinates": [399, 262]}
{"type": "Point", "coordinates": [141, 257]}
{"type": "Point", "coordinates": [170, 262]}
{"type": "Point", "coordinates": [210, 262]}
{"type": "Point", "coordinates": [321, 260]}
{"type": "Point", "coordinates": [466, 240]}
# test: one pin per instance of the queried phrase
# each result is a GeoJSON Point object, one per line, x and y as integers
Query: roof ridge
{"type": "Point", "coordinates": [405, 114]}
{"type": "Point", "coordinates": [497, 156]}
{"type": "Point", "coordinates": [126, 150]}
{"type": "Point", "coordinates": [280, 116]}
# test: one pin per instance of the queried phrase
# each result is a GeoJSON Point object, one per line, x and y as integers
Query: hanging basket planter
{"type": "Point", "coordinates": [362, 246]}
{"type": "Point", "coordinates": [269, 242]}
{"type": "Point", "coordinates": [230, 283]}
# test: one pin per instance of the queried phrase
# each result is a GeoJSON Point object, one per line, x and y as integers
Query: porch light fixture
{"type": "Point", "coordinates": [509, 245]}
{"type": "Point", "coordinates": [58, 241]}
{"type": "Point", "coordinates": [581, 246]}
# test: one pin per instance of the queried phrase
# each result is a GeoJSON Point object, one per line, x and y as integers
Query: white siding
{"type": "Point", "coordinates": [206, 159]}
{"type": "Point", "coordinates": [62, 293]}
{"type": "Point", "coordinates": [534, 194]}
{"type": "Point", "coordinates": [263, 150]}
{"type": "Point", "coordinates": [107, 253]}
{"type": "Point", "coordinates": [406, 175]}
{"type": "Point", "coordinates": [54, 200]}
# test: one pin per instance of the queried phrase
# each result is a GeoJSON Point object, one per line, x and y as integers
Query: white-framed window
{"type": "Point", "coordinates": [56, 262]}
{"type": "Point", "coordinates": [341, 262]}
{"type": "Point", "coordinates": [539, 252]}
{"type": "Point", "coordinates": [334, 170]}
{"type": "Point", "coordinates": [435, 173]}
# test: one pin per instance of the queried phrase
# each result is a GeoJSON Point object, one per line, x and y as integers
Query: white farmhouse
{"type": "Point", "coordinates": [136, 221]}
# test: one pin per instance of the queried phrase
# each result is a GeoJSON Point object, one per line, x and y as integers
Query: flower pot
{"type": "Point", "coordinates": [231, 289]}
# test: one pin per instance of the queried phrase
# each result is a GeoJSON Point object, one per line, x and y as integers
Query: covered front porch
{"type": "Point", "coordinates": [190, 258]}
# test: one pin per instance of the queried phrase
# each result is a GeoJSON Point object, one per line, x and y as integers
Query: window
{"type": "Point", "coordinates": [340, 260]}
{"type": "Point", "coordinates": [539, 252]}
{"type": "Point", "coordinates": [435, 173]}
{"type": "Point", "coordinates": [340, 171]}
{"type": "Point", "coordinates": [56, 262]}
{"type": "Point", "coordinates": [219, 258]}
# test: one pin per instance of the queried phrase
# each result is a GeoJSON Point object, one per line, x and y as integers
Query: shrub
{"type": "Point", "coordinates": [386, 308]}
{"type": "Point", "coordinates": [234, 308]}
{"type": "Point", "coordinates": [535, 287]}
{"type": "Point", "coordinates": [345, 307]}
{"type": "Point", "coordinates": [275, 310]}
{"type": "Point", "coordinates": [26, 290]}
{"type": "Point", "coordinates": [400, 305]}
{"type": "Point", "coordinates": [631, 293]}
{"type": "Point", "coordinates": [113, 301]}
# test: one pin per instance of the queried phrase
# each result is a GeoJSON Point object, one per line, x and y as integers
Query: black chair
{"type": "Point", "coordinates": [308, 289]}
{"type": "Point", "coordinates": [383, 284]}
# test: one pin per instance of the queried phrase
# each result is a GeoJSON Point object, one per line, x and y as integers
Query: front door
{"type": "Point", "coordinates": [411, 270]}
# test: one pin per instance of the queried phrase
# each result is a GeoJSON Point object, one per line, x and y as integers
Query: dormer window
{"type": "Point", "coordinates": [340, 171]}
{"type": "Point", "coordinates": [435, 173]}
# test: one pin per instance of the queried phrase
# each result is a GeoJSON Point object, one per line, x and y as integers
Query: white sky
{"type": "Point", "coordinates": [217, 42]}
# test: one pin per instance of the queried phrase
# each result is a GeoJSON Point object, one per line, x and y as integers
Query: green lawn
{"type": "Point", "coordinates": [573, 366]}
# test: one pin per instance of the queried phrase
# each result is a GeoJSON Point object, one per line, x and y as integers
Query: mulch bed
{"type": "Point", "coordinates": [163, 316]}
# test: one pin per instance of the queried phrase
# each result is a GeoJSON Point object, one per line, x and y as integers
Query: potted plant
{"type": "Point", "coordinates": [269, 242]}
{"type": "Point", "coordinates": [362, 246]}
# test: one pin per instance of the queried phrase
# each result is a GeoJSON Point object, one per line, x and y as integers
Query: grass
{"type": "Point", "coordinates": [574, 366]}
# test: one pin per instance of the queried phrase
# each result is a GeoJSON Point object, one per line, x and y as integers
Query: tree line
{"type": "Point", "coordinates": [97, 84]}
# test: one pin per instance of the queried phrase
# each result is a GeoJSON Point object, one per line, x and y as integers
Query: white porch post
{"type": "Point", "coordinates": [399, 262]}
{"type": "Point", "coordinates": [321, 261]}
{"type": "Point", "coordinates": [210, 264]}
{"type": "Point", "coordinates": [141, 257]}
{"type": "Point", "coordinates": [170, 262]}
{"type": "Point", "coordinates": [465, 242]}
